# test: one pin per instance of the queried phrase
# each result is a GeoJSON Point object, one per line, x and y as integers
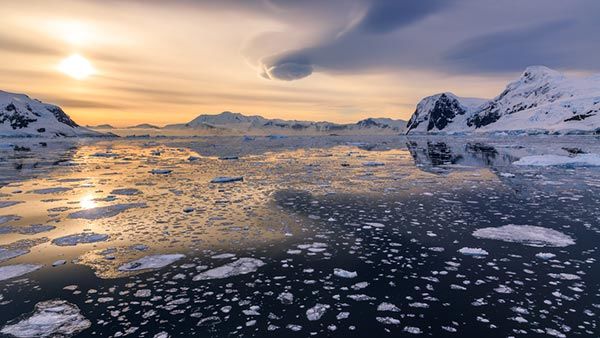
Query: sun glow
{"type": "Point", "coordinates": [77, 67]}
{"type": "Point", "coordinates": [87, 202]}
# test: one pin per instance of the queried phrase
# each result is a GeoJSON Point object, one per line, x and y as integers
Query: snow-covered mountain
{"type": "Point", "coordinates": [541, 100]}
{"type": "Point", "coordinates": [443, 112]}
{"type": "Point", "coordinates": [22, 116]}
{"type": "Point", "coordinates": [236, 123]}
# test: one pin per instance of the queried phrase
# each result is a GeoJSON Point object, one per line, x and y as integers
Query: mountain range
{"type": "Point", "coordinates": [541, 100]}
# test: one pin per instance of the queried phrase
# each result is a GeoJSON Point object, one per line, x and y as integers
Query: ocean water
{"type": "Point", "coordinates": [324, 236]}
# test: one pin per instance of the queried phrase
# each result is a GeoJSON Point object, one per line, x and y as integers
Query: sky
{"type": "Point", "coordinates": [125, 62]}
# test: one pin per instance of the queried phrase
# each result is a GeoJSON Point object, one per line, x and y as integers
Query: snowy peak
{"type": "Point", "coordinates": [236, 123]}
{"type": "Point", "coordinates": [540, 100]}
{"type": "Point", "coordinates": [22, 116]}
{"type": "Point", "coordinates": [436, 112]}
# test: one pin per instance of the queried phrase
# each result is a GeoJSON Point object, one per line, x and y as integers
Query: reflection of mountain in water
{"type": "Point", "coordinates": [440, 156]}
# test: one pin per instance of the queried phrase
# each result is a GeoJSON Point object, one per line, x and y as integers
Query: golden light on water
{"type": "Point", "coordinates": [77, 67]}
{"type": "Point", "coordinates": [87, 202]}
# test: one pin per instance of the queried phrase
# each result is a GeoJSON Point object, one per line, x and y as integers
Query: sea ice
{"type": "Point", "coordinates": [240, 266]}
{"type": "Point", "coordinates": [125, 191]}
{"type": "Point", "coordinates": [344, 273]}
{"type": "Point", "coordinates": [151, 262]}
{"type": "Point", "coordinates": [106, 211]}
{"type": "Point", "coordinates": [12, 271]}
{"type": "Point", "coordinates": [316, 312]}
{"type": "Point", "coordinates": [50, 190]}
{"type": "Point", "coordinates": [581, 160]}
{"type": "Point", "coordinates": [84, 237]}
{"type": "Point", "coordinates": [226, 179]}
{"type": "Point", "coordinates": [473, 251]}
{"type": "Point", "coordinates": [53, 318]}
{"type": "Point", "coordinates": [526, 234]}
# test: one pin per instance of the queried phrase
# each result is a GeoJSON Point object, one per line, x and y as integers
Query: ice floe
{"type": "Point", "coordinates": [526, 234]}
{"type": "Point", "coordinates": [581, 160]}
{"type": "Point", "coordinates": [12, 271]}
{"type": "Point", "coordinates": [151, 262]}
{"type": "Point", "coordinates": [53, 318]}
{"type": "Point", "coordinates": [81, 238]}
{"type": "Point", "coordinates": [227, 179]}
{"type": "Point", "coordinates": [473, 251]}
{"type": "Point", "coordinates": [106, 211]}
{"type": "Point", "coordinates": [240, 266]}
{"type": "Point", "coordinates": [316, 312]}
{"type": "Point", "coordinates": [344, 273]}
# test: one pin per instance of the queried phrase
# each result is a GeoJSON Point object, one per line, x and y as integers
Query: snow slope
{"type": "Point", "coordinates": [540, 100]}
{"type": "Point", "coordinates": [232, 123]}
{"type": "Point", "coordinates": [22, 116]}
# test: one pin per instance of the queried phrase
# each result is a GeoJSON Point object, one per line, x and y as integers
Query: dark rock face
{"type": "Point", "coordinates": [15, 118]}
{"type": "Point", "coordinates": [444, 110]}
{"type": "Point", "coordinates": [62, 117]}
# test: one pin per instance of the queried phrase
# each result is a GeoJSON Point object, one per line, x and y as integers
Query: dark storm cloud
{"type": "Point", "coordinates": [465, 36]}
{"type": "Point", "coordinates": [386, 15]}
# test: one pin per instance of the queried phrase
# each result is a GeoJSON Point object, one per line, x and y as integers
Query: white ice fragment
{"type": "Point", "coordinates": [581, 160]}
{"type": "Point", "coordinates": [84, 238]}
{"type": "Point", "coordinates": [344, 273]}
{"type": "Point", "coordinates": [151, 262]}
{"type": "Point", "coordinates": [473, 251]}
{"type": "Point", "coordinates": [526, 234]}
{"type": "Point", "coordinates": [240, 266]}
{"type": "Point", "coordinates": [387, 307]}
{"type": "Point", "coordinates": [12, 271]}
{"type": "Point", "coordinates": [316, 312]}
{"type": "Point", "coordinates": [53, 318]}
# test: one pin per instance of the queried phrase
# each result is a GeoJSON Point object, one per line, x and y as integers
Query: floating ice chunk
{"type": "Point", "coordinates": [360, 297]}
{"type": "Point", "coordinates": [6, 204]}
{"type": "Point", "coordinates": [227, 179]}
{"type": "Point", "coordinates": [162, 334]}
{"type": "Point", "coordinates": [375, 225]}
{"type": "Point", "coordinates": [223, 256]}
{"type": "Point", "coordinates": [59, 262]}
{"type": "Point", "coordinates": [545, 255]}
{"type": "Point", "coordinates": [161, 171]}
{"type": "Point", "coordinates": [126, 191]}
{"type": "Point", "coordinates": [106, 211]}
{"type": "Point", "coordinates": [143, 293]}
{"type": "Point", "coordinates": [526, 234]}
{"type": "Point", "coordinates": [564, 276]}
{"type": "Point", "coordinates": [53, 318]}
{"type": "Point", "coordinates": [151, 262]}
{"type": "Point", "coordinates": [508, 175]}
{"type": "Point", "coordinates": [342, 315]}
{"type": "Point", "coordinates": [12, 271]}
{"type": "Point", "coordinates": [286, 298]}
{"type": "Point", "coordinates": [316, 312]}
{"type": "Point", "coordinates": [581, 160]}
{"type": "Point", "coordinates": [7, 254]}
{"type": "Point", "coordinates": [344, 273]}
{"type": "Point", "coordinates": [412, 329]}
{"type": "Point", "coordinates": [50, 190]}
{"type": "Point", "coordinates": [473, 251]}
{"type": "Point", "coordinates": [84, 237]}
{"type": "Point", "coordinates": [9, 218]}
{"type": "Point", "coordinates": [387, 307]}
{"type": "Point", "coordinates": [373, 164]}
{"type": "Point", "coordinates": [504, 289]}
{"type": "Point", "coordinates": [241, 266]}
{"type": "Point", "coordinates": [388, 320]}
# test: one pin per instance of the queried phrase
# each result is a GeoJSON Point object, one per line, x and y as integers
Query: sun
{"type": "Point", "coordinates": [77, 67]}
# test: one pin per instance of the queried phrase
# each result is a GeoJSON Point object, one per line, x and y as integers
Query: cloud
{"type": "Point", "coordinates": [458, 37]}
